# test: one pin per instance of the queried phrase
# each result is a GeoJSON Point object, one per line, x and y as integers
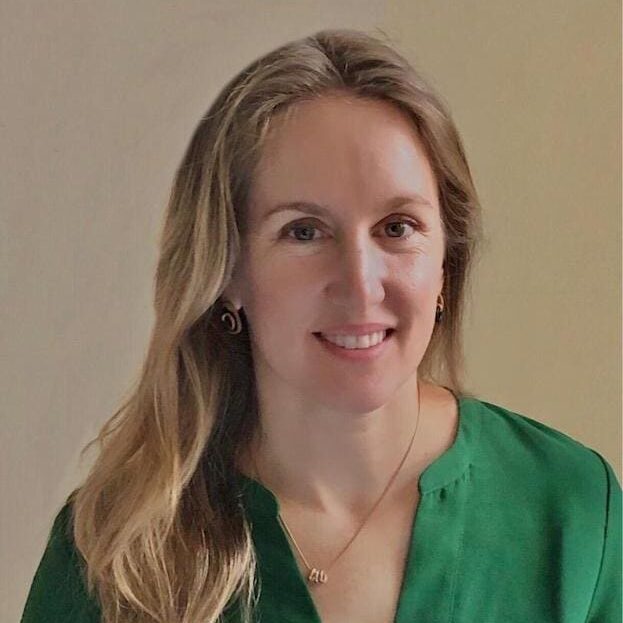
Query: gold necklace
{"type": "Point", "coordinates": [319, 576]}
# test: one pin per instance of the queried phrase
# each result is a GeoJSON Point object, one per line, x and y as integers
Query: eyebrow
{"type": "Point", "coordinates": [319, 210]}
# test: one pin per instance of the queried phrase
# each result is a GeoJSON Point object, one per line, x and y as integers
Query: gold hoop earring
{"type": "Point", "coordinates": [439, 311]}
{"type": "Point", "coordinates": [231, 319]}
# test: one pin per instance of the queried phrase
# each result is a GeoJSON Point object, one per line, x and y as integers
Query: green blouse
{"type": "Point", "coordinates": [516, 522]}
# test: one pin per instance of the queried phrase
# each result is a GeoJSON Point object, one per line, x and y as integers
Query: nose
{"type": "Point", "coordinates": [357, 279]}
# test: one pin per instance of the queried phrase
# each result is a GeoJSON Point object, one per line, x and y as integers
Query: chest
{"type": "Point", "coordinates": [364, 584]}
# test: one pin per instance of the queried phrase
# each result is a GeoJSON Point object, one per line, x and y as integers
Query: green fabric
{"type": "Point", "coordinates": [516, 522]}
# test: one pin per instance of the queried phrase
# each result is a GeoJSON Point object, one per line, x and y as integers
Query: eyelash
{"type": "Point", "coordinates": [307, 223]}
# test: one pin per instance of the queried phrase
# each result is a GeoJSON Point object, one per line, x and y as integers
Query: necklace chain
{"type": "Point", "coordinates": [319, 575]}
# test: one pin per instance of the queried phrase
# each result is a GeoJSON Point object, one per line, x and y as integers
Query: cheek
{"type": "Point", "coordinates": [420, 279]}
{"type": "Point", "coordinates": [279, 297]}
{"type": "Point", "coordinates": [279, 281]}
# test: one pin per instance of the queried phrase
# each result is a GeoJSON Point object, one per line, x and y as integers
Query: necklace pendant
{"type": "Point", "coordinates": [317, 576]}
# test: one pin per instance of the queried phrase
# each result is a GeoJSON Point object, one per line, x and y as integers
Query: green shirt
{"type": "Point", "coordinates": [517, 522]}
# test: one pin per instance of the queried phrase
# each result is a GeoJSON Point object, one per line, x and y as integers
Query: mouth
{"type": "Point", "coordinates": [388, 333]}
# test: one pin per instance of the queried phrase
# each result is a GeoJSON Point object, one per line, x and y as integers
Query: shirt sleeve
{"type": "Point", "coordinates": [606, 606]}
{"type": "Point", "coordinates": [57, 592]}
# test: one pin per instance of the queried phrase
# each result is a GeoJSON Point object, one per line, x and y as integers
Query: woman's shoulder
{"type": "Point", "coordinates": [61, 535]}
{"type": "Point", "coordinates": [537, 452]}
{"type": "Point", "coordinates": [58, 590]}
{"type": "Point", "coordinates": [559, 499]}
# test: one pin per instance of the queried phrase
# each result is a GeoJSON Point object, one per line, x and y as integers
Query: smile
{"type": "Point", "coordinates": [356, 341]}
{"type": "Point", "coordinates": [360, 348]}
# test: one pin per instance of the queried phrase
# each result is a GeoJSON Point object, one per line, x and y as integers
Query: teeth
{"type": "Point", "coordinates": [353, 342]}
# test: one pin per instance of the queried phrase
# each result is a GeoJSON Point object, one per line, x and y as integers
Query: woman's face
{"type": "Point", "coordinates": [371, 251]}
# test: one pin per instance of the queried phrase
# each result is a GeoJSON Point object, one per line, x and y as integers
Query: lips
{"type": "Point", "coordinates": [388, 333]}
{"type": "Point", "coordinates": [358, 356]}
{"type": "Point", "coordinates": [356, 329]}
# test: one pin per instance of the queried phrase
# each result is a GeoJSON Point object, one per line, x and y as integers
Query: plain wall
{"type": "Point", "coordinates": [99, 101]}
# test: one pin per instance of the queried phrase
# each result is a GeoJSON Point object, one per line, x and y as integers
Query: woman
{"type": "Point", "coordinates": [301, 446]}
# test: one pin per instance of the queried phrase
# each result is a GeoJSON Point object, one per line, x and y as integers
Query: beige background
{"type": "Point", "coordinates": [99, 100]}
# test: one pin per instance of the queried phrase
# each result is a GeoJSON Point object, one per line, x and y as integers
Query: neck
{"type": "Point", "coordinates": [341, 465]}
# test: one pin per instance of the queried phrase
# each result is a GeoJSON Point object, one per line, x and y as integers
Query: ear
{"type": "Point", "coordinates": [232, 294]}
{"type": "Point", "coordinates": [233, 290]}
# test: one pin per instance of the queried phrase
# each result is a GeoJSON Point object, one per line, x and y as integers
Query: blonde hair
{"type": "Point", "coordinates": [159, 520]}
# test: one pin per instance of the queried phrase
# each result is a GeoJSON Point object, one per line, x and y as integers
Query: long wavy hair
{"type": "Point", "coordinates": [159, 520]}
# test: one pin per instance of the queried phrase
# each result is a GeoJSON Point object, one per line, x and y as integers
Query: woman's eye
{"type": "Point", "coordinates": [398, 227]}
{"type": "Point", "coordinates": [305, 227]}
{"type": "Point", "coordinates": [401, 224]}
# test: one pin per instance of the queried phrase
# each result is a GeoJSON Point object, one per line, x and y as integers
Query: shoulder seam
{"type": "Point", "coordinates": [605, 532]}
{"type": "Point", "coordinates": [541, 426]}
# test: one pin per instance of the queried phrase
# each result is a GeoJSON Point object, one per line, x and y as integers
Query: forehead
{"type": "Point", "coordinates": [341, 145]}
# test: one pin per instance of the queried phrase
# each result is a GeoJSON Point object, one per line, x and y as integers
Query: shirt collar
{"type": "Point", "coordinates": [444, 470]}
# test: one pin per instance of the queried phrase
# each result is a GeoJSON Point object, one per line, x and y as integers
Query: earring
{"type": "Point", "coordinates": [439, 312]}
{"type": "Point", "coordinates": [231, 319]}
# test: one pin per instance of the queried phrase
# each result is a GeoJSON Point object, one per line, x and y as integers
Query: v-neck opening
{"type": "Point", "coordinates": [428, 566]}
{"type": "Point", "coordinates": [445, 468]}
